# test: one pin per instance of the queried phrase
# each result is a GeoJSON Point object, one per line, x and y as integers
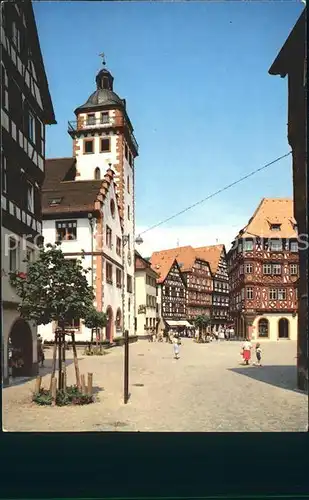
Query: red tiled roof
{"type": "Point", "coordinates": [211, 254]}
{"type": "Point", "coordinates": [271, 211]}
{"type": "Point", "coordinates": [161, 264]}
{"type": "Point", "coordinates": [185, 256]}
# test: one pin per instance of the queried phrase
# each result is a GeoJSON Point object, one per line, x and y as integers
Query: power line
{"type": "Point", "coordinates": [217, 192]}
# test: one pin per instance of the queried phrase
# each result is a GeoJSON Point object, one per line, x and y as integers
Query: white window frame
{"type": "Point", "coordinates": [249, 291]}
{"type": "Point", "coordinates": [248, 266]}
{"type": "Point", "coordinates": [248, 246]}
{"type": "Point", "coordinates": [292, 243]}
{"type": "Point", "coordinates": [293, 269]}
{"type": "Point", "coordinates": [14, 252]}
{"type": "Point", "coordinates": [273, 294]}
{"type": "Point", "coordinates": [281, 294]}
{"type": "Point", "coordinates": [275, 245]}
{"type": "Point", "coordinates": [31, 123]}
{"type": "Point", "coordinates": [277, 269]}
{"type": "Point", "coordinates": [267, 269]}
{"type": "Point", "coordinates": [30, 197]}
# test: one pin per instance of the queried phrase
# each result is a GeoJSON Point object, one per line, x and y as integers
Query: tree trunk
{"type": "Point", "coordinates": [64, 368]}
{"type": "Point", "coordinates": [60, 381]}
{"type": "Point", "coordinates": [54, 361]}
{"type": "Point", "coordinates": [75, 361]}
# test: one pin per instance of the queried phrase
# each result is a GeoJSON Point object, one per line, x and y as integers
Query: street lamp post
{"type": "Point", "coordinates": [138, 241]}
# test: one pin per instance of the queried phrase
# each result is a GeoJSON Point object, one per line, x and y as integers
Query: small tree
{"type": "Point", "coordinates": [54, 289]}
{"type": "Point", "coordinates": [201, 322]}
{"type": "Point", "coordinates": [95, 319]}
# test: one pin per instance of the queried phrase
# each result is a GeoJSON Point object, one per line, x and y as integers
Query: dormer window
{"type": "Point", "coordinates": [275, 227]}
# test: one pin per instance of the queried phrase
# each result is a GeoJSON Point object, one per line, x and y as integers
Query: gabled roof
{"type": "Point", "coordinates": [162, 265]}
{"type": "Point", "coordinates": [32, 33]}
{"type": "Point", "coordinates": [211, 254]}
{"type": "Point", "coordinates": [75, 196]}
{"type": "Point", "coordinates": [293, 48]}
{"type": "Point", "coordinates": [271, 211]}
{"type": "Point", "coordinates": [143, 264]}
{"type": "Point", "coordinates": [185, 256]}
{"type": "Point", "coordinates": [57, 170]}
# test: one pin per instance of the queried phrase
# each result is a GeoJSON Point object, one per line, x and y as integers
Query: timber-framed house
{"type": "Point", "coordinates": [26, 108]}
{"type": "Point", "coordinates": [172, 292]}
{"type": "Point", "coordinates": [215, 255]}
{"type": "Point", "coordinates": [263, 273]}
{"type": "Point", "coordinates": [197, 275]}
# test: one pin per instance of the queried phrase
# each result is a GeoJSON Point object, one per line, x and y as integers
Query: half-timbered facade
{"type": "Point", "coordinates": [172, 293]}
{"type": "Point", "coordinates": [197, 275]}
{"type": "Point", "coordinates": [145, 296]}
{"type": "Point", "coordinates": [26, 108]}
{"type": "Point", "coordinates": [215, 255]}
{"type": "Point", "coordinates": [263, 273]}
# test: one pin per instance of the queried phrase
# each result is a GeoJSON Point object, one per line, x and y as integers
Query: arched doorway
{"type": "Point", "coordinates": [283, 328]}
{"type": "Point", "coordinates": [21, 347]}
{"type": "Point", "coordinates": [97, 174]}
{"type": "Point", "coordinates": [109, 326]}
{"type": "Point", "coordinates": [118, 320]}
{"type": "Point", "coordinates": [263, 328]}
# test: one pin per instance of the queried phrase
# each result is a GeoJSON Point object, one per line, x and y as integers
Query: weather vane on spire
{"type": "Point", "coordinates": [103, 58]}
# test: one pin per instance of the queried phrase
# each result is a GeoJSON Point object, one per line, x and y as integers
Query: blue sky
{"type": "Point", "coordinates": [204, 108]}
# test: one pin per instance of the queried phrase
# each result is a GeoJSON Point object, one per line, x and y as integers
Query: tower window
{"type": "Point", "coordinates": [105, 145]}
{"type": "Point", "coordinates": [128, 184]}
{"type": "Point", "coordinates": [97, 174]}
{"type": "Point", "coordinates": [88, 146]}
{"type": "Point", "coordinates": [126, 151]}
{"type": "Point", "coordinates": [128, 212]}
{"type": "Point", "coordinates": [91, 119]}
{"type": "Point", "coordinates": [104, 117]}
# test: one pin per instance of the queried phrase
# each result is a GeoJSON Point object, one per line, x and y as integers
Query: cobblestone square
{"type": "Point", "coordinates": [206, 390]}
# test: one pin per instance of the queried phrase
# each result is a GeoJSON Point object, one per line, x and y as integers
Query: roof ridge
{"type": "Point", "coordinates": [61, 158]}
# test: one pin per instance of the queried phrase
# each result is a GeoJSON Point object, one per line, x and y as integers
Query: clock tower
{"type": "Point", "coordinates": [103, 139]}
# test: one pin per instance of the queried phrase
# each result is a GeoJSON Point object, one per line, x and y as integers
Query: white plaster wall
{"type": "Point", "coordinates": [273, 320]}
{"type": "Point", "coordinates": [86, 163]}
{"type": "Point", "coordinates": [82, 242]}
{"type": "Point", "coordinates": [129, 230]}
{"type": "Point", "coordinates": [140, 299]}
{"type": "Point", "coordinates": [112, 296]}
{"type": "Point", "coordinates": [142, 289]}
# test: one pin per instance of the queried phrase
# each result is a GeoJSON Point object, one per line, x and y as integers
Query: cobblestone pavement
{"type": "Point", "coordinates": [207, 389]}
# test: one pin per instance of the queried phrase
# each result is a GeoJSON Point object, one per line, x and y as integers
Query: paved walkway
{"type": "Point", "coordinates": [205, 390]}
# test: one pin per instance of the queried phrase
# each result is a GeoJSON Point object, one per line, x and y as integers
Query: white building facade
{"type": "Point", "coordinates": [103, 138]}
{"type": "Point", "coordinates": [145, 297]}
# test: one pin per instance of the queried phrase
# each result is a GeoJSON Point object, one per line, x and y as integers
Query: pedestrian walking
{"type": "Point", "coordinates": [246, 351]}
{"type": "Point", "coordinates": [258, 353]}
{"type": "Point", "coordinates": [41, 355]}
{"type": "Point", "coordinates": [176, 343]}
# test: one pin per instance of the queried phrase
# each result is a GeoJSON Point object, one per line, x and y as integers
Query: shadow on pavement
{"type": "Point", "coordinates": [277, 375]}
{"type": "Point", "coordinates": [44, 370]}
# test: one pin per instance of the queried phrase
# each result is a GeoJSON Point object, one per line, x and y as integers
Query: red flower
{"type": "Point", "coordinates": [23, 276]}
